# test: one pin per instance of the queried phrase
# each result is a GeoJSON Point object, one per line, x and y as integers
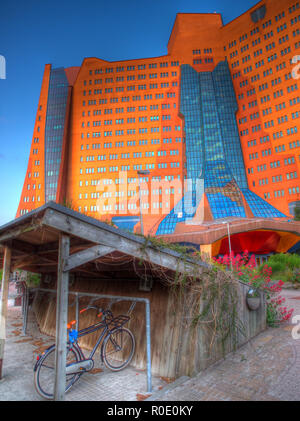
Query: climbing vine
{"type": "Point", "coordinates": [207, 294]}
{"type": "Point", "coordinates": [244, 266]}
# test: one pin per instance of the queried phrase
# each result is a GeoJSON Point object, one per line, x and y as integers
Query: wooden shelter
{"type": "Point", "coordinates": [77, 253]}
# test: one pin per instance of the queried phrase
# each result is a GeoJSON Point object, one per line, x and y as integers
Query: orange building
{"type": "Point", "coordinates": [208, 131]}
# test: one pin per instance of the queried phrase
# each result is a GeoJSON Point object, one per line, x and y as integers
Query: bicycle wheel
{"type": "Point", "coordinates": [44, 376]}
{"type": "Point", "coordinates": [118, 349]}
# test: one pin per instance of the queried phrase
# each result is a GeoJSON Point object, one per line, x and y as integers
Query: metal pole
{"type": "Point", "coordinates": [229, 242]}
{"type": "Point", "coordinates": [77, 310]}
{"type": "Point", "coordinates": [148, 322]}
{"type": "Point", "coordinates": [25, 304]}
{"type": "Point", "coordinates": [3, 302]}
{"type": "Point", "coordinates": [61, 319]}
{"type": "Point", "coordinates": [148, 336]}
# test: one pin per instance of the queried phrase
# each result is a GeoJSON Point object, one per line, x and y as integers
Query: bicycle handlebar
{"type": "Point", "coordinates": [90, 307]}
{"type": "Point", "coordinates": [101, 313]}
{"type": "Point", "coordinates": [105, 313]}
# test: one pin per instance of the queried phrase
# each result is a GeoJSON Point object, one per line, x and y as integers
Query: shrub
{"type": "Point", "coordinates": [285, 266]}
{"type": "Point", "coordinates": [33, 279]}
{"type": "Point", "coordinates": [276, 266]}
{"type": "Point", "coordinates": [244, 268]}
{"type": "Point", "coordinates": [297, 213]}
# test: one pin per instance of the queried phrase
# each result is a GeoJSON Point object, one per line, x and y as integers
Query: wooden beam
{"type": "Point", "coordinates": [92, 273]}
{"type": "Point", "coordinates": [53, 246]}
{"type": "Point", "coordinates": [85, 256]}
{"type": "Point", "coordinates": [22, 246]}
{"type": "Point", "coordinates": [3, 302]}
{"type": "Point", "coordinates": [24, 261]}
{"type": "Point", "coordinates": [15, 232]}
{"type": "Point", "coordinates": [90, 232]}
{"type": "Point", "coordinates": [61, 318]}
{"type": "Point", "coordinates": [33, 259]}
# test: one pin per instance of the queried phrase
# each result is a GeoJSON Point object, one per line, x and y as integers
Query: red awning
{"type": "Point", "coordinates": [258, 242]}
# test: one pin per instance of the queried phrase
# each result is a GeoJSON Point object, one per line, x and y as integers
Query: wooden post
{"type": "Point", "coordinates": [3, 302]}
{"type": "Point", "coordinates": [61, 319]}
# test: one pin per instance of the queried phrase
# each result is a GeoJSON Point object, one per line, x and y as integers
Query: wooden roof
{"type": "Point", "coordinates": [97, 250]}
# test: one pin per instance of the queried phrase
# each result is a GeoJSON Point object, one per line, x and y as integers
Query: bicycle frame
{"type": "Point", "coordinates": [90, 329]}
{"type": "Point", "coordinates": [79, 364]}
{"type": "Point", "coordinates": [85, 331]}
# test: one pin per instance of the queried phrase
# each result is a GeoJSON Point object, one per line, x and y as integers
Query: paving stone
{"type": "Point", "coordinates": [265, 369]}
{"type": "Point", "coordinates": [20, 355]}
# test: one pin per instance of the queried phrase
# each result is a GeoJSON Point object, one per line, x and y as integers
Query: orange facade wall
{"type": "Point", "coordinates": [259, 56]}
{"type": "Point", "coordinates": [127, 125]}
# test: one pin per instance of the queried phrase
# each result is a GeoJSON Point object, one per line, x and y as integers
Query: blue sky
{"type": "Point", "coordinates": [34, 33]}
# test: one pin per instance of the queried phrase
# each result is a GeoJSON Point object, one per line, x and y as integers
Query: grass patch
{"type": "Point", "coordinates": [285, 267]}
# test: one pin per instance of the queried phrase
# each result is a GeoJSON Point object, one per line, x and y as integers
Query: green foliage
{"type": "Point", "coordinates": [33, 279]}
{"type": "Point", "coordinates": [219, 313]}
{"type": "Point", "coordinates": [297, 213]}
{"type": "Point", "coordinates": [276, 267]}
{"type": "Point", "coordinates": [289, 260]}
{"type": "Point", "coordinates": [244, 268]}
{"type": "Point", "coordinates": [272, 316]}
{"type": "Point", "coordinates": [68, 203]}
{"type": "Point", "coordinates": [207, 295]}
{"type": "Point", "coordinates": [185, 252]}
{"type": "Point", "coordinates": [285, 266]}
{"type": "Point", "coordinates": [160, 243]}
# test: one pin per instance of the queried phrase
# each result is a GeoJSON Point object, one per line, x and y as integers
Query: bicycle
{"type": "Point", "coordinates": [117, 350]}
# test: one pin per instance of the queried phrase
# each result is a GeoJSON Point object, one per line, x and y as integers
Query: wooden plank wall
{"type": "Point", "coordinates": [176, 349]}
{"type": "Point", "coordinates": [197, 352]}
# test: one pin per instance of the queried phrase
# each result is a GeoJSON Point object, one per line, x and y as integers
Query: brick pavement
{"type": "Point", "coordinates": [20, 356]}
{"type": "Point", "coordinates": [265, 369]}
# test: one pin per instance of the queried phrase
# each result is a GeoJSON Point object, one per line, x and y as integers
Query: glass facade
{"type": "Point", "coordinates": [220, 175]}
{"type": "Point", "coordinates": [214, 156]}
{"type": "Point", "coordinates": [126, 223]}
{"type": "Point", "coordinates": [227, 107]}
{"type": "Point", "coordinates": [182, 212]}
{"type": "Point", "coordinates": [259, 207]}
{"type": "Point", "coordinates": [54, 130]}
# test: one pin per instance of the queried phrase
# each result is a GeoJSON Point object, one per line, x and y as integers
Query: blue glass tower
{"type": "Point", "coordinates": [214, 159]}
{"type": "Point", "coordinates": [54, 131]}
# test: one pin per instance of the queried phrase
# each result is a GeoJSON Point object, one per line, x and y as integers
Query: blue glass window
{"type": "Point", "coordinates": [54, 130]}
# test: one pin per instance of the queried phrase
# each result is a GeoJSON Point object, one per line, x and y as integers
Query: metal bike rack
{"type": "Point", "coordinates": [115, 299]}
{"type": "Point", "coordinates": [23, 292]}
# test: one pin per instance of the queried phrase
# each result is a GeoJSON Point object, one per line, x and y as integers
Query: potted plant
{"type": "Point", "coordinates": [253, 299]}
